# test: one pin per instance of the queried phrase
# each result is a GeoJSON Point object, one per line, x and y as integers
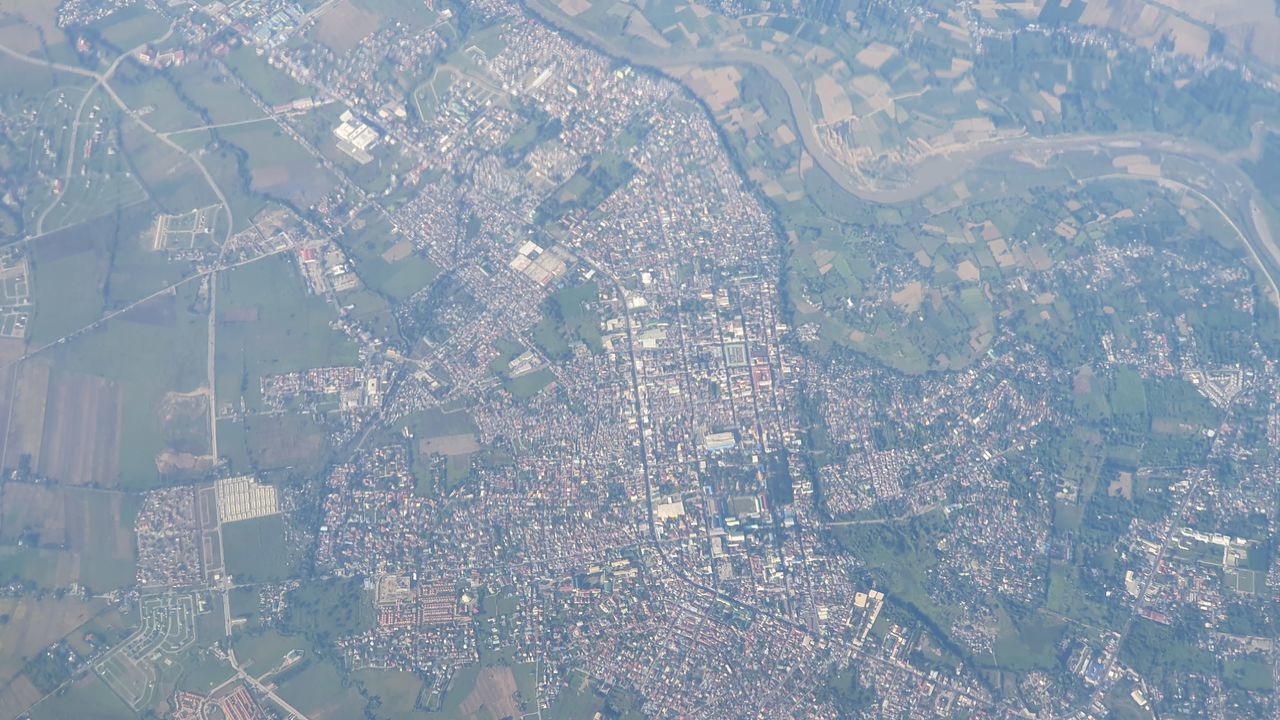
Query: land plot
{"type": "Point", "coordinates": [344, 25]}
{"type": "Point", "coordinates": [81, 439]}
{"type": "Point", "coordinates": [88, 697]}
{"type": "Point", "coordinates": [95, 527]}
{"type": "Point", "coordinates": [277, 165]}
{"type": "Point", "coordinates": [256, 550]}
{"type": "Point", "coordinates": [492, 694]}
{"type": "Point", "coordinates": [35, 623]}
{"type": "Point", "coordinates": [127, 352]}
{"type": "Point", "coordinates": [268, 325]}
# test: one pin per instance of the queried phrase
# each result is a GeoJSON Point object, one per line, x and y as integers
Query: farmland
{"type": "Point", "coordinates": [284, 329]}
{"type": "Point", "coordinates": [256, 550]}
{"type": "Point", "coordinates": [95, 527]}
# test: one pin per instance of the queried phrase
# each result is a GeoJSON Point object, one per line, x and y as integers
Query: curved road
{"type": "Point", "coordinates": [101, 80]}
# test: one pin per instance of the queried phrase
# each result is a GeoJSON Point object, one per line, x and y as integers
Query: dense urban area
{"type": "Point", "coordinates": [616, 359]}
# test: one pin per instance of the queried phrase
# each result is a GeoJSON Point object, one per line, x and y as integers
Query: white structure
{"type": "Point", "coordinates": [243, 498]}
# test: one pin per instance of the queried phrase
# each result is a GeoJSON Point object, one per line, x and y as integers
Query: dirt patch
{"type": "Point", "coordinates": [573, 7]}
{"type": "Point", "coordinates": [461, 444]}
{"type": "Point", "coordinates": [493, 693]}
{"type": "Point", "coordinates": [1121, 486]}
{"type": "Point", "coordinates": [344, 26]}
{"type": "Point", "coordinates": [910, 297]}
{"type": "Point", "coordinates": [398, 252]}
{"type": "Point", "coordinates": [1082, 383]}
{"type": "Point", "coordinates": [718, 87]}
{"type": "Point", "coordinates": [81, 444]}
{"type": "Point", "coordinates": [875, 55]}
{"type": "Point", "coordinates": [835, 104]}
{"type": "Point", "coordinates": [968, 272]}
{"type": "Point", "coordinates": [170, 461]}
{"type": "Point", "coordinates": [185, 420]}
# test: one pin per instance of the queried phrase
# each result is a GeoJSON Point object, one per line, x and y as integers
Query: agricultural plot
{"type": "Point", "coordinates": [88, 697]}
{"type": "Point", "coordinates": [316, 688]}
{"type": "Point", "coordinates": [35, 623]}
{"type": "Point", "coordinates": [268, 83]}
{"type": "Point", "coordinates": [69, 270]}
{"type": "Point", "coordinates": [256, 550]}
{"type": "Point", "coordinates": [344, 25]}
{"type": "Point", "coordinates": [81, 439]}
{"type": "Point", "coordinates": [215, 94]}
{"type": "Point", "coordinates": [93, 528]}
{"type": "Point", "coordinates": [277, 165]}
{"type": "Point", "coordinates": [268, 325]}
{"type": "Point", "coordinates": [119, 355]}
{"type": "Point", "coordinates": [386, 261]}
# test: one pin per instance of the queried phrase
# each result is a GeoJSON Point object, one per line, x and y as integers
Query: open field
{"type": "Point", "coordinates": [272, 85]}
{"type": "Point", "coordinates": [344, 25]}
{"type": "Point", "coordinates": [26, 421]}
{"type": "Point", "coordinates": [217, 94]}
{"type": "Point", "coordinates": [32, 624]}
{"type": "Point", "coordinates": [277, 165]}
{"type": "Point", "coordinates": [277, 441]}
{"type": "Point", "coordinates": [35, 23]}
{"type": "Point", "coordinates": [81, 440]}
{"type": "Point", "coordinates": [120, 352]}
{"type": "Point", "coordinates": [255, 550]}
{"type": "Point", "coordinates": [285, 329]}
{"type": "Point", "coordinates": [44, 569]}
{"type": "Point", "coordinates": [259, 652]}
{"type": "Point", "coordinates": [397, 691]}
{"type": "Point", "coordinates": [95, 527]}
{"type": "Point", "coordinates": [69, 271]}
{"type": "Point", "coordinates": [386, 261]}
{"type": "Point", "coordinates": [492, 695]}
{"type": "Point", "coordinates": [317, 689]}
{"type": "Point", "coordinates": [17, 695]}
{"type": "Point", "coordinates": [88, 697]}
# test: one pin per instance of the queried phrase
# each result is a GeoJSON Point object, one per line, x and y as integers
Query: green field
{"type": "Point", "coordinates": [569, 317]}
{"type": "Point", "coordinates": [202, 671]}
{"type": "Point", "coordinates": [272, 85]}
{"type": "Point", "coordinates": [267, 325]}
{"type": "Point", "coordinates": [88, 697]}
{"type": "Point", "coordinates": [326, 610]}
{"type": "Point", "coordinates": [120, 351]}
{"type": "Point", "coordinates": [318, 689]}
{"type": "Point", "coordinates": [392, 694]}
{"type": "Point", "coordinates": [277, 165]}
{"type": "Point", "coordinates": [255, 551]}
{"type": "Point", "coordinates": [265, 650]}
{"type": "Point", "coordinates": [398, 279]}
